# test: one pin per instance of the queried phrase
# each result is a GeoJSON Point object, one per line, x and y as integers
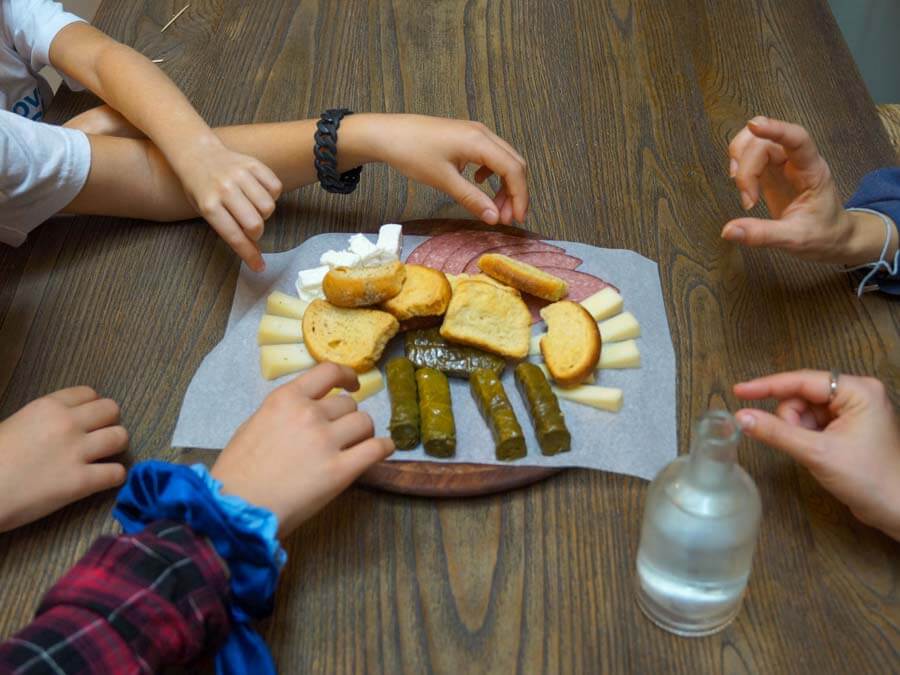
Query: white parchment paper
{"type": "Point", "coordinates": [639, 440]}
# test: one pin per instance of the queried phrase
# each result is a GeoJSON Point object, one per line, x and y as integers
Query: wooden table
{"type": "Point", "coordinates": [623, 110]}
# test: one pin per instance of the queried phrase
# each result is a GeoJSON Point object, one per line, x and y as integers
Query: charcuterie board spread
{"type": "Point", "coordinates": [470, 346]}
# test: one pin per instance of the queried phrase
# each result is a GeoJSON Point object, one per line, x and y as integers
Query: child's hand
{"type": "Point", "coordinates": [850, 444]}
{"type": "Point", "coordinates": [300, 450]}
{"type": "Point", "coordinates": [49, 452]}
{"type": "Point", "coordinates": [233, 192]}
{"type": "Point", "coordinates": [435, 151]}
{"type": "Point", "coordinates": [781, 161]}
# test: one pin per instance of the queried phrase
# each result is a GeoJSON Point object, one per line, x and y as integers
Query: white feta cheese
{"type": "Point", "coordinates": [390, 241]}
{"type": "Point", "coordinates": [312, 277]}
{"type": "Point", "coordinates": [361, 246]}
{"type": "Point", "coordinates": [310, 293]}
{"type": "Point", "coordinates": [339, 259]}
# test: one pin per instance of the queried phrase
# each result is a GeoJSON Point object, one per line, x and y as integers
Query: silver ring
{"type": "Point", "coordinates": [832, 385]}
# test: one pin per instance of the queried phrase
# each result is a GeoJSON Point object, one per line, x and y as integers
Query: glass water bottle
{"type": "Point", "coordinates": [700, 525]}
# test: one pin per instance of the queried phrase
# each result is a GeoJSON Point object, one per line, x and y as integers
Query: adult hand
{"type": "Point", "coordinates": [234, 193]}
{"type": "Point", "coordinates": [436, 151]}
{"type": "Point", "coordinates": [780, 162]}
{"type": "Point", "coordinates": [50, 454]}
{"type": "Point", "coordinates": [850, 444]}
{"type": "Point", "coordinates": [302, 448]}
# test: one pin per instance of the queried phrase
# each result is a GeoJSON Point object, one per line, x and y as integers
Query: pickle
{"type": "Point", "coordinates": [427, 349]}
{"type": "Point", "coordinates": [543, 407]}
{"type": "Point", "coordinates": [401, 384]}
{"type": "Point", "coordinates": [488, 392]}
{"type": "Point", "coordinates": [436, 413]}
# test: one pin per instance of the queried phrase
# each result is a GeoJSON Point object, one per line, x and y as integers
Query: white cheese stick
{"type": "Point", "coordinates": [370, 383]}
{"type": "Point", "coordinates": [604, 398]}
{"type": "Point", "coordinates": [621, 327]}
{"type": "Point", "coordinates": [589, 379]}
{"type": "Point", "coordinates": [279, 330]}
{"type": "Point", "coordinates": [278, 360]}
{"type": "Point", "coordinates": [620, 355]}
{"type": "Point", "coordinates": [603, 304]}
{"type": "Point", "coordinates": [282, 304]}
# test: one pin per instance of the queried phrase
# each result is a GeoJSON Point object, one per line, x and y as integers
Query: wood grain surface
{"type": "Point", "coordinates": [623, 110]}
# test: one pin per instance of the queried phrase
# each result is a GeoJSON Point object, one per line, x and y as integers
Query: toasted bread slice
{"type": "Point", "coordinates": [351, 337]}
{"type": "Point", "coordinates": [523, 276]}
{"type": "Point", "coordinates": [571, 347]}
{"type": "Point", "coordinates": [454, 279]}
{"type": "Point", "coordinates": [483, 315]}
{"type": "Point", "coordinates": [426, 292]}
{"type": "Point", "coordinates": [363, 286]}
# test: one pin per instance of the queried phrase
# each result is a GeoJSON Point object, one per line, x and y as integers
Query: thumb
{"type": "Point", "coordinates": [798, 442]}
{"type": "Point", "coordinates": [470, 197]}
{"type": "Point", "coordinates": [356, 460]}
{"type": "Point", "coordinates": [758, 232]}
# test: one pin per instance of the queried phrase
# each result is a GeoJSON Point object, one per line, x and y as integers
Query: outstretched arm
{"type": "Point", "coordinates": [132, 177]}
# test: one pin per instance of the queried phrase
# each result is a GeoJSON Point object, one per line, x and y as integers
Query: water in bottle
{"type": "Point", "coordinates": [699, 531]}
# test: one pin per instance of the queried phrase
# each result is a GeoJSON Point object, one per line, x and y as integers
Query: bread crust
{"type": "Point", "coordinates": [425, 292]}
{"type": "Point", "coordinates": [348, 336]}
{"type": "Point", "coordinates": [483, 315]}
{"type": "Point", "coordinates": [363, 286]}
{"type": "Point", "coordinates": [527, 278]}
{"type": "Point", "coordinates": [566, 319]}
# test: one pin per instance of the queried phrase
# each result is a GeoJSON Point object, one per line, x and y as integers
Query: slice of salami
{"type": "Point", "coordinates": [442, 242]}
{"type": "Point", "coordinates": [544, 260]}
{"type": "Point", "coordinates": [581, 284]}
{"type": "Point", "coordinates": [512, 250]}
{"type": "Point", "coordinates": [479, 243]}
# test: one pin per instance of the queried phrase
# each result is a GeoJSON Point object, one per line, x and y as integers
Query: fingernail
{"type": "Point", "coordinates": [734, 233]}
{"type": "Point", "coordinates": [746, 421]}
{"type": "Point", "coordinates": [760, 119]}
{"type": "Point", "coordinates": [732, 168]}
{"type": "Point", "coordinates": [489, 216]}
{"type": "Point", "coordinates": [746, 201]}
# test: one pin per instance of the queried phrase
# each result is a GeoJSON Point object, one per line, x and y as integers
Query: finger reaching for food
{"type": "Point", "coordinates": [842, 428]}
{"type": "Point", "coordinates": [299, 424]}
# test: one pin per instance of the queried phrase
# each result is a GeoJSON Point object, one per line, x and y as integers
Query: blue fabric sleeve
{"type": "Point", "coordinates": [880, 191]}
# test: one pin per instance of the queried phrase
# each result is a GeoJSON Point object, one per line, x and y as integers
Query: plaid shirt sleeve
{"type": "Point", "coordinates": [133, 604]}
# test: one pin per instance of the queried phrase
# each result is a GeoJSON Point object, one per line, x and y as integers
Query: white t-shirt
{"type": "Point", "coordinates": [42, 167]}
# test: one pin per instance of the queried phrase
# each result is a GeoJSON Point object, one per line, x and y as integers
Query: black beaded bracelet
{"type": "Point", "coordinates": [326, 154]}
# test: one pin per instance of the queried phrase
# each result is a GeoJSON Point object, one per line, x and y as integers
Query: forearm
{"type": "Point", "coordinates": [132, 178]}
{"type": "Point", "coordinates": [130, 84]}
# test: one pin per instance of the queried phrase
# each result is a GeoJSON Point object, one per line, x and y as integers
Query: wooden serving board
{"type": "Point", "coordinates": [446, 479]}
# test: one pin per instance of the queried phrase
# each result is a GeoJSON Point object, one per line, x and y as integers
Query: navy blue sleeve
{"type": "Point", "coordinates": [880, 191]}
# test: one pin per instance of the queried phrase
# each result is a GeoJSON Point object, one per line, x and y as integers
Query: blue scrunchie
{"type": "Point", "coordinates": [242, 534]}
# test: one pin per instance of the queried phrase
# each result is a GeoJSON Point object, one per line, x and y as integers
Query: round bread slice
{"type": "Point", "coordinates": [483, 315]}
{"type": "Point", "coordinates": [351, 337]}
{"type": "Point", "coordinates": [363, 286]}
{"type": "Point", "coordinates": [426, 292]}
{"type": "Point", "coordinates": [571, 347]}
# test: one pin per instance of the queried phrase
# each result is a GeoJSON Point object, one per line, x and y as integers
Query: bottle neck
{"type": "Point", "coordinates": [714, 449]}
